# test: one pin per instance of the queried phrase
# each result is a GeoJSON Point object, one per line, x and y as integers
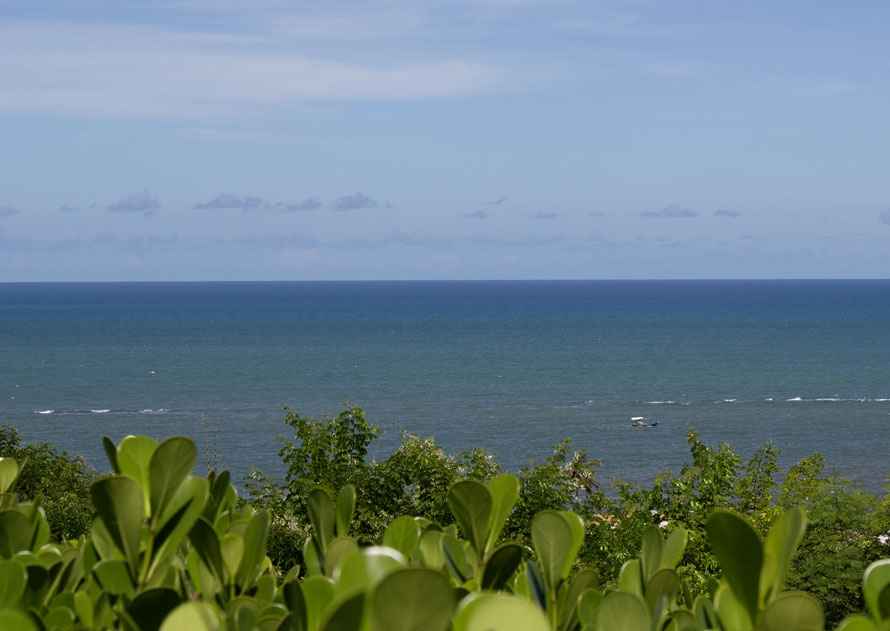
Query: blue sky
{"type": "Point", "coordinates": [267, 139]}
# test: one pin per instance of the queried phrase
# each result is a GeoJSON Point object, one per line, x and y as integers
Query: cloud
{"type": "Point", "coordinates": [727, 213]}
{"type": "Point", "coordinates": [230, 200]}
{"type": "Point", "coordinates": [673, 210]}
{"type": "Point", "coordinates": [540, 215]}
{"type": "Point", "coordinates": [69, 209]}
{"type": "Point", "coordinates": [496, 202]}
{"type": "Point", "coordinates": [355, 201]}
{"type": "Point", "coordinates": [8, 211]}
{"type": "Point", "coordinates": [136, 203]}
{"type": "Point", "coordinates": [310, 203]}
{"type": "Point", "coordinates": [885, 217]}
{"type": "Point", "coordinates": [137, 71]}
{"type": "Point", "coordinates": [479, 214]}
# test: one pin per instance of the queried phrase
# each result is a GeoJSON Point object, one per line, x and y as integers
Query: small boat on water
{"type": "Point", "coordinates": [641, 421]}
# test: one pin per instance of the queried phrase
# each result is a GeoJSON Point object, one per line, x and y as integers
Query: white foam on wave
{"type": "Point", "coordinates": [100, 411]}
{"type": "Point", "coordinates": [795, 399]}
{"type": "Point", "coordinates": [44, 411]}
{"type": "Point", "coordinates": [661, 402]}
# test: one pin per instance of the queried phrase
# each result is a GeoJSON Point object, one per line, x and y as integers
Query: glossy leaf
{"type": "Point", "coordinates": [111, 451]}
{"type": "Point", "coordinates": [193, 616]}
{"type": "Point", "coordinates": [792, 611]}
{"type": "Point", "coordinates": [876, 589]}
{"type": "Point", "coordinates": [738, 549]}
{"type": "Point", "coordinates": [705, 615]}
{"type": "Point", "coordinates": [254, 549]}
{"type": "Point", "coordinates": [188, 504]}
{"type": "Point", "coordinates": [9, 471]}
{"type": "Point", "coordinates": [367, 567]}
{"type": "Point", "coordinates": [150, 607]}
{"type": "Point", "coordinates": [552, 538]}
{"type": "Point", "coordinates": [504, 490]}
{"type": "Point", "coordinates": [731, 611]}
{"type": "Point", "coordinates": [205, 542]}
{"type": "Point", "coordinates": [650, 552]}
{"type": "Point", "coordinates": [630, 579]}
{"type": "Point", "coordinates": [338, 549]}
{"type": "Point", "coordinates": [662, 587]}
{"type": "Point", "coordinates": [499, 612]}
{"type": "Point", "coordinates": [501, 566]}
{"type": "Point", "coordinates": [15, 532]}
{"type": "Point", "coordinates": [172, 461]}
{"type": "Point", "coordinates": [455, 557]}
{"type": "Point", "coordinates": [586, 579]}
{"type": "Point", "coordinates": [134, 458]}
{"type": "Point", "coordinates": [345, 614]}
{"type": "Point", "coordinates": [673, 548]}
{"type": "Point", "coordinates": [576, 526]}
{"type": "Point", "coordinates": [431, 549]}
{"type": "Point", "coordinates": [318, 594]}
{"type": "Point", "coordinates": [588, 604]}
{"type": "Point", "coordinates": [412, 599]}
{"type": "Point", "coordinates": [471, 504]}
{"type": "Point", "coordinates": [779, 548]}
{"type": "Point", "coordinates": [13, 579]}
{"type": "Point", "coordinates": [620, 611]}
{"type": "Point", "coordinates": [295, 600]}
{"type": "Point", "coordinates": [120, 504]}
{"type": "Point", "coordinates": [403, 534]}
{"type": "Point", "coordinates": [13, 619]}
{"type": "Point", "coordinates": [322, 515]}
{"type": "Point", "coordinates": [114, 577]}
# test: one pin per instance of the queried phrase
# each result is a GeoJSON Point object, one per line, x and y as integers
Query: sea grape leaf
{"type": "Point", "coordinates": [412, 599]}
{"type": "Point", "coordinates": [470, 503]}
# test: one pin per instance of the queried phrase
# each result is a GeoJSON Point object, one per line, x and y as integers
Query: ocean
{"type": "Point", "coordinates": [510, 366]}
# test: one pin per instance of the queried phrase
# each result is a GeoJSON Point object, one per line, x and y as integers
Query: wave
{"type": "Point", "coordinates": [100, 411]}
{"type": "Point", "coordinates": [44, 411]}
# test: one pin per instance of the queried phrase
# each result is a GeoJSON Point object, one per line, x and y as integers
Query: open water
{"type": "Point", "coordinates": [511, 366]}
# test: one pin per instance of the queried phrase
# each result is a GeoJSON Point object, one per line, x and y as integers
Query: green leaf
{"type": "Point", "coordinates": [193, 616]}
{"type": "Point", "coordinates": [365, 568]}
{"type": "Point", "coordinates": [576, 525]}
{"type": "Point", "coordinates": [856, 623]}
{"type": "Point", "coordinates": [504, 490]}
{"type": "Point", "coordinates": [322, 515]}
{"type": "Point", "coordinates": [650, 552]}
{"type": "Point", "coordinates": [621, 611]}
{"type": "Point", "coordinates": [15, 532]}
{"type": "Point", "coordinates": [134, 458]}
{"type": "Point", "coordinates": [120, 504]}
{"type": "Point", "coordinates": [501, 566]}
{"type": "Point", "coordinates": [683, 620]}
{"type": "Point", "coordinates": [83, 607]}
{"type": "Point", "coordinates": [431, 549]}
{"type": "Point", "coordinates": [12, 619]}
{"type": "Point", "coordinates": [403, 534]}
{"type": "Point", "coordinates": [792, 611]}
{"type": "Point", "coordinates": [345, 510]}
{"type": "Point", "coordinates": [412, 599]}
{"type": "Point", "coordinates": [471, 504]}
{"type": "Point", "coordinates": [114, 577]}
{"type": "Point", "coordinates": [9, 471]}
{"type": "Point", "coordinates": [338, 549]}
{"type": "Point", "coordinates": [205, 542]}
{"type": "Point", "coordinates": [552, 539]}
{"type": "Point", "coordinates": [588, 604]}
{"type": "Point", "coordinates": [150, 607]}
{"type": "Point", "coordinates": [705, 616]}
{"type": "Point", "coordinates": [111, 451]}
{"type": "Point", "coordinates": [779, 548]}
{"type": "Point", "coordinates": [172, 461]}
{"type": "Point", "coordinates": [876, 589]}
{"type": "Point", "coordinates": [318, 593]}
{"type": "Point", "coordinates": [345, 614]}
{"type": "Point", "coordinates": [630, 579]}
{"type": "Point", "coordinates": [586, 579]}
{"type": "Point", "coordinates": [663, 585]}
{"type": "Point", "coordinates": [296, 604]}
{"type": "Point", "coordinates": [498, 612]}
{"type": "Point", "coordinates": [673, 548]}
{"type": "Point", "coordinates": [455, 557]}
{"type": "Point", "coordinates": [254, 549]}
{"type": "Point", "coordinates": [13, 579]}
{"type": "Point", "coordinates": [188, 505]}
{"type": "Point", "coordinates": [738, 549]}
{"type": "Point", "coordinates": [730, 610]}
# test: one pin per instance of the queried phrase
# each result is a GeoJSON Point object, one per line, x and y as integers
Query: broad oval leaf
{"type": "Point", "coordinates": [365, 568]}
{"type": "Point", "coordinates": [345, 614]}
{"type": "Point", "coordinates": [876, 589]}
{"type": "Point", "coordinates": [470, 503]}
{"type": "Point", "coordinates": [412, 599]}
{"type": "Point", "coordinates": [501, 566]}
{"type": "Point", "coordinates": [150, 607]}
{"type": "Point", "coordinates": [134, 458]}
{"type": "Point", "coordinates": [620, 611]}
{"type": "Point", "coordinates": [504, 490]}
{"type": "Point", "coordinates": [403, 534]}
{"type": "Point", "coordinates": [738, 549]}
{"type": "Point", "coordinates": [499, 612]}
{"type": "Point", "coordinates": [13, 579]}
{"type": "Point", "coordinates": [15, 532]}
{"type": "Point", "coordinates": [120, 505]}
{"type": "Point", "coordinates": [779, 548]}
{"type": "Point", "coordinates": [9, 471]}
{"type": "Point", "coordinates": [345, 509]}
{"type": "Point", "coordinates": [792, 611]}
{"type": "Point", "coordinates": [322, 516]}
{"type": "Point", "coordinates": [172, 461]}
{"type": "Point", "coordinates": [552, 538]}
{"type": "Point", "coordinates": [193, 616]}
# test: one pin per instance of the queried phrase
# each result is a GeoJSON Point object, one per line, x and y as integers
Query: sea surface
{"type": "Point", "coordinates": [511, 366]}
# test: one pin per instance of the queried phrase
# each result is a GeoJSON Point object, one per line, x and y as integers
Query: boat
{"type": "Point", "coordinates": [641, 421]}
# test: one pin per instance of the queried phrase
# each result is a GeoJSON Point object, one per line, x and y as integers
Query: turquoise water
{"type": "Point", "coordinates": [512, 366]}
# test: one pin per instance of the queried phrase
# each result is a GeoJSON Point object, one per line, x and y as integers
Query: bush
{"type": "Point", "coordinates": [59, 481]}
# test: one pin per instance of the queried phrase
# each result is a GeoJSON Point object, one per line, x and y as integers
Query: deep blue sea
{"type": "Point", "coordinates": [511, 366]}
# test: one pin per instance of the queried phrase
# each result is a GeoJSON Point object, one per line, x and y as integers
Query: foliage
{"type": "Point", "coordinates": [60, 481]}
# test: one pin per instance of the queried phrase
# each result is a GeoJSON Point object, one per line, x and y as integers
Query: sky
{"type": "Point", "coordinates": [427, 139]}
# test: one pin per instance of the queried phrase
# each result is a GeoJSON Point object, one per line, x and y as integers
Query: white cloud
{"type": "Point", "coordinates": [146, 72]}
{"type": "Point", "coordinates": [355, 201]}
{"type": "Point", "coordinates": [230, 200]}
